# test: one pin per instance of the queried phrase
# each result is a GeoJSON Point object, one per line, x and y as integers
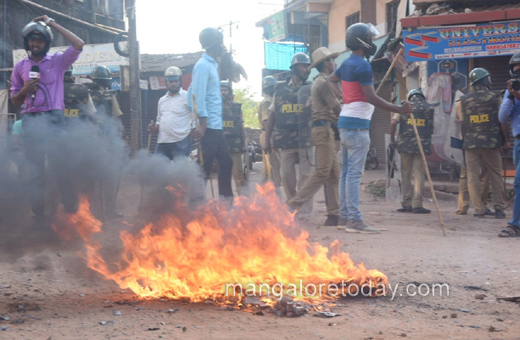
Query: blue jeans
{"type": "Point", "coordinates": [172, 150]}
{"type": "Point", "coordinates": [516, 207]}
{"type": "Point", "coordinates": [354, 148]}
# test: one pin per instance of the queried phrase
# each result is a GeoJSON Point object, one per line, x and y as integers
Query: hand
{"type": "Point", "coordinates": [406, 108]}
{"type": "Point", "coordinates": [393, 143]}
{"type": "Point", "coordinates": [43, 18]}
{"type": "Point", "coordinates": [199, 133]}
{"type": "Point", "coordinates": [506, 148]}
{"type": "Point", "coordinates": [30, 86]}
{"type": "Point", "coordinates": [267, 145]}
{"type": "Point", "coordinates": [152, 127]}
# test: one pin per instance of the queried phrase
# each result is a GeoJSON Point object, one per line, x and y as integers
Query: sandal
{"type": "Point", "coordinates": [511, 231]}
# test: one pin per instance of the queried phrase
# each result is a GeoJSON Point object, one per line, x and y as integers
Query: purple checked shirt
{"type": "Point", "coordinates": [52, 69]}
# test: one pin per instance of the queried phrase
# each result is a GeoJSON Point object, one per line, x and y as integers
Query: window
{"type": "Point", "coordinates": [391, 16]}
{"type": "Point", "coordinates": [352, 19]}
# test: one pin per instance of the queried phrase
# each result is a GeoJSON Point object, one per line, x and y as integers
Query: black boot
{"type": "Point", "coordinates": [332, 221]}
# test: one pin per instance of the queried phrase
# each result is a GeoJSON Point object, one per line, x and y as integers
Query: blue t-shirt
{"type": "Point", "coordinates": [356, 112]}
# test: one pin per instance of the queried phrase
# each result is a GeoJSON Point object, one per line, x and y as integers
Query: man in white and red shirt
{"type": "Point", "coordinates": [359, 99]}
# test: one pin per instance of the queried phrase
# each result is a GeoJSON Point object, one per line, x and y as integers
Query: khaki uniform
{"type": "Point", "coordinates": [411, 159]}
{"type": "Point", "coordinates": [478, 111]}
{"type": "Point", "coordinates": [463, 188]}
{"type": "Point", "coordinates": [271, 161]}
{"type": "Point", "coordinates": [327, 165]}
{"type": "Point", "coordinates": [233, 129]}
{"type": "Point", "coordinates": [292, 139]}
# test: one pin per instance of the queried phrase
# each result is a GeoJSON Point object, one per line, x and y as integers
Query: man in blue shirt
{"type": "Point", "coordinates": [206, 88]}
{"type": "Point", "coordinates": [359, 99]}
{"type": "Point", "coordinates": [510, 110]}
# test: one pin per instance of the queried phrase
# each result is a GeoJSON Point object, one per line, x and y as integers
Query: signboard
{"type": "Point", "coordinates": [92, 56]}
{"type": "Point", "coordinates": [455, 42]}
{"type": "Point", "coordinates": [275, 27]}
{"type": "Point", "coordinates": [157, 83]}
{"type": "Point", "coordinates": [143, 84]}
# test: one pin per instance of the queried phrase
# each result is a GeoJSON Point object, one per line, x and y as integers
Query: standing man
{"type": "Point", "coordinates": [270, 161]}
{"type": "Point", "coordinates": [286, 118]}
{"type": "Point", "coordinates": [206, 88]}
{"type": "Point", "coordinates": [37, 82]}
{"type": "Point", "coordinates": [325, 110]}
{"type": "Point", "coordinates": [463, 199]}
{"type": "Point", "coordinates": [359, 99]}
{"type": "Point", "coordinates": [483, 136]}
{"type": "Point", "coordinates": [510, 110]}
{"type": "Point", "coordinates": [233, 128]}
{"type": "Point", "coordinates": [408, 148]}
{"type": "Point", "coordinates": [174, 118]}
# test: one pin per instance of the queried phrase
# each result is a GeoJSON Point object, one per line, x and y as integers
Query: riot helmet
{"type": "Point", "coordinates": [479, 76]}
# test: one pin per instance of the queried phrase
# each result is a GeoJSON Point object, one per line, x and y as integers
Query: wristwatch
{"type": "Point", "coordinates": [49, 20]}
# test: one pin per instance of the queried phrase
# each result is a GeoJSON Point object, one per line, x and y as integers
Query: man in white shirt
{"type": "Point", "coordinates": [174, 118]}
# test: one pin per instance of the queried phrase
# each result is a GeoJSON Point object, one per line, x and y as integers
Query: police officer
{"type": "Point", "coordinates": [233, 129]}
{"type": "Point", "coordinates": [408, 148]}
{"type": "Point", "coordinates": [325, 110]}
{"type": "Point", "coordinates": [104, 99]}
{"type": "Point", "coordinates": [77, 98]}
{"type": "Point", "coordinates": [483, 136]}
{"type": "Point", "coordinates": [107, 109]}
{"type": "Point", "coordinates": [290, 120]}
{"type": "Point", "coordinates": [270, 161]}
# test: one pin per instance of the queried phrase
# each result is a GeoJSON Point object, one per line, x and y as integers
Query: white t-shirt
{"type": "Point", "coordinates": [174, 117]}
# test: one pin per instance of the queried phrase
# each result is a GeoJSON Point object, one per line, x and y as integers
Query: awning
{"type": "Point", "coordinates": [469, 15]}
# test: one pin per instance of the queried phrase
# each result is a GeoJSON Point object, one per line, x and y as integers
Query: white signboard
{"type": "Point", "coordinates": [158, 83]}
{"type": "Point", "coordinates": [92, 56]}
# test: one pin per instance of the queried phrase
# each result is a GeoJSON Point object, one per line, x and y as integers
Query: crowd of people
{"type": "Point", "coordinates": [300, 122]}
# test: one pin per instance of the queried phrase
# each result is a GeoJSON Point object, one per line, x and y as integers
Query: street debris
{"type": "Point", "coordinates": [173, 310]}
{"type": "Point", "coordinates": [117, 313]}
{"type": "Point", "coordinates": [326, 315]}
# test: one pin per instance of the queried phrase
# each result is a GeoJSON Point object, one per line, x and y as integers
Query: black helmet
{"type": "Point", "coordinates": [68, 73]}
{"type": "Point", "coordinates": [226, 84]}
{"type": "Point", "coordinates": [360, 35]}
{"type": "Point", "coordinates": [210, 37]}
{"type": "Point", "coordinates": [477, 74]}
{"type": "Point", "coordinates": [416, 92]}
{"type": "Point", "coordinates": [37, 29]}
{"type": "Point", "coordinates": [300, 58]}
{"type": "Point", "coordinates": [515, 60]}
{"type": "Point", "coordinates": [268, 82]}
{"type": "Point", "coordinates": [101, 72]}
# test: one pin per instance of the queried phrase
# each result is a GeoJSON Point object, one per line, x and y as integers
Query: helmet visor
{"type": "Point", "coordinates": [373, 31]}
{"type": "Point", "coordinates": [172, 78]}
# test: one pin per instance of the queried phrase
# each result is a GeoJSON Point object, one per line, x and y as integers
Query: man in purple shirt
{"type": "Point", "coordinates": [37, 82]}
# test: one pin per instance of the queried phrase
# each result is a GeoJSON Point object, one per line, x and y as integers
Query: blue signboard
{"type": "Point", "coordinates": [456, 42]}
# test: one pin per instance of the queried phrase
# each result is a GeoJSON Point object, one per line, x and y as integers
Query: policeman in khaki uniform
{"type": "Point", "coordinates": [270, 161]}
{"type": "Point", "coordinates": [483, 135]}
{"type": "Point", "coordinates": [411, 159]}
{"type": "Point", "coordinates": [233, 129]}
{"type": "Point", "coordinates": [289, 119]}
{"type": "Point", "coordinates": [325, 110]}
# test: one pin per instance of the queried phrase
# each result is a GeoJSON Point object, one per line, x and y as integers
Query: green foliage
{"type": "Point", "coordinates": [249, 107]}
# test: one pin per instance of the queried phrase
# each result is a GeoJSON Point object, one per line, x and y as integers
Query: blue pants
{"type": "Point", "coordinates": [516, 207]}
{"type": "Point", "coordinates": [354, 149]}
{"type": "Point", "coordinates": [173, 150]}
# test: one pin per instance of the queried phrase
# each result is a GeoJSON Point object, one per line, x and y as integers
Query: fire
{"type": "Point", "coordinates": [255, 244]}
{"type": "Point", "coordinates": [82, 223]}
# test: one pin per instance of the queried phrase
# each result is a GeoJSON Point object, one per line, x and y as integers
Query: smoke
{"type": "Point", "coordinates": [80, 158]}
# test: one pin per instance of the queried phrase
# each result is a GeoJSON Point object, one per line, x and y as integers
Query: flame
{"type": "Point", "coordinates": [82, 223]}
{"type": "Point", "coordinates": [194, 255]}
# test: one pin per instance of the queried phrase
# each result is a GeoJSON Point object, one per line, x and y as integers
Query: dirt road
{"type": "Point", "coordinates": [50, 294]}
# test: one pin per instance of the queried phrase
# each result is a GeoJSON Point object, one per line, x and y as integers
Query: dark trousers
{"type": "Point", "coordinates": [42, 140]}
{"type": "Point", "coordinates": [173, 150]}
{"type": "Point", "coordinates": [214, 145]}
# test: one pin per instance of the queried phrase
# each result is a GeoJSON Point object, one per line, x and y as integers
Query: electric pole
{"type": "Point", "coordinates": [135, 90]}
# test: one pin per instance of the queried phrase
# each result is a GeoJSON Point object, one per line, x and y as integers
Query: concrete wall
{"type": "Point", "coordinates": [340, 9]}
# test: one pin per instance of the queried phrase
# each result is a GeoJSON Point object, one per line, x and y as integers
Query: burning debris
{"type": "Point", "coordinates": [250, 256]}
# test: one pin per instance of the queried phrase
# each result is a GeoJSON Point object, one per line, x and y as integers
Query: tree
{"type": "Point", "coordinates": [249, 107]}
